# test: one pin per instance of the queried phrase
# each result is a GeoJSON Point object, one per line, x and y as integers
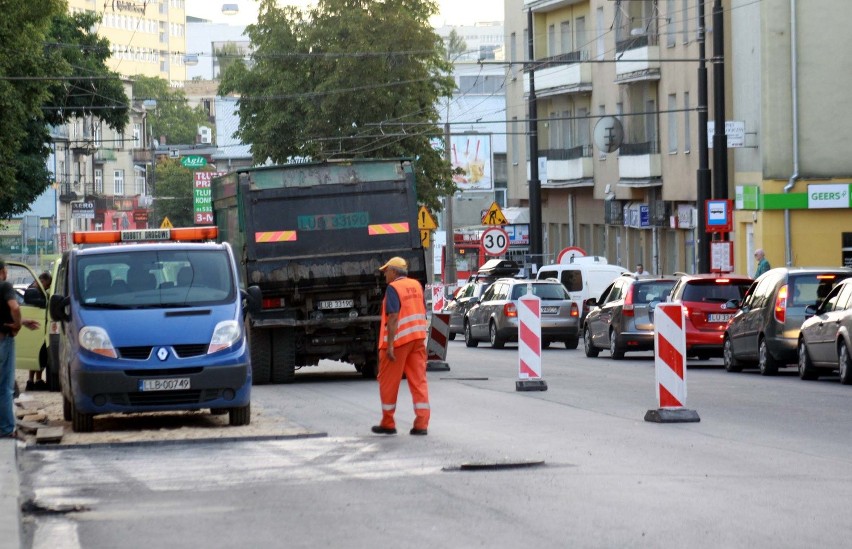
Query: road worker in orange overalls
{"type": "Point", "coordinates": [402, 347]}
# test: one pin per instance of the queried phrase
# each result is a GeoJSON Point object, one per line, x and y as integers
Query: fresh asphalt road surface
{"type": "Point", "coordinates": [768, 466]}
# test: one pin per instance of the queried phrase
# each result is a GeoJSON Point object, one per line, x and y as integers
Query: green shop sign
{"type": "Point", "coordinates": [193, 161]}
{"type": "Point", "coordinates": [818, 196]}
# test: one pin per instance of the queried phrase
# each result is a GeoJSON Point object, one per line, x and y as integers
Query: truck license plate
{"type": "Point", "coordinates": [171, 384]}
{"type": "Point", "coordinates": [337, 304]}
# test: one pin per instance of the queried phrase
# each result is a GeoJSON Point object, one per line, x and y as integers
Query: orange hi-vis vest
{"type": "Point", "coordinates": [411, 324]}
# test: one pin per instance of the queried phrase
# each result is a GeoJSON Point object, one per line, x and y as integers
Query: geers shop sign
{"type": "Point", "coordinates": [828, 196]}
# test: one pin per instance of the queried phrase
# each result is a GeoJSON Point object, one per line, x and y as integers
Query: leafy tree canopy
{"type": "Point", "coordinates": [173, 194]}
{"type": "Point", "coordinates": [52, 68]}
{"type": "Point", "coordinates": [172, 118]}
{"type": "Point", "coordinates": [323, 85]}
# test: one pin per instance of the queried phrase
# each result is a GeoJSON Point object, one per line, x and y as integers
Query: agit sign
{"type": "Point", "coordinates": [828, 196]}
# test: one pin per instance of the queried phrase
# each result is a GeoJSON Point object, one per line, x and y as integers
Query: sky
{"type": "Point", "coordinates": [453, 12]}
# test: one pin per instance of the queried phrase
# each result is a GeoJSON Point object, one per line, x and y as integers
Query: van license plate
{"type": "Point", "coordinates": [172, 384]}
{"type": "Point", "coordinates": [337, 304]}
{"type": "Point", "coordinates": [719, 317]}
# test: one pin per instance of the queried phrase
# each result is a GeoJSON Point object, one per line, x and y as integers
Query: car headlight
{"type": "Point", "coordinates": [225, 335]}
{"type": "Point", "coordinates": [96, 340]}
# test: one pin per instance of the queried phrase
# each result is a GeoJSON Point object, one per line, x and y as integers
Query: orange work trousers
{"type": "Point", "coordinates": [410, 359]}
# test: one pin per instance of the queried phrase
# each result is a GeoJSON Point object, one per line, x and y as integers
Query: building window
{"type": "Point", "coordinates": [565, 36]}
{"type": "Point", "coordinates": [601, 113]}
{"type": "Point", "coordinates": [580, 34]}
{"type": "Point", "coordinates": [687, 132]}
{"type": "Point", "coordinates": [672, 116]}
{"type": "Point", "coordinates": [551, 40]}
{"type": "Point", "coordinates": [684, 17]}
{"type": "Point", "coordinates": [137, 135]}
{"type": "Point", "coordinates": [599, 30]}
{"type": "Point", "coordinates": [514, 140]}
{"type": "Point", "coordinates": [118, 182]}
{"type": "Point", "coordinates": [670, 23]}
{"type": "Point", "coordinates": [513, 53]}
{"type": "Point", "coordinates": [526, 47]}
{"type": "Point", "coordinates": [99, 181]}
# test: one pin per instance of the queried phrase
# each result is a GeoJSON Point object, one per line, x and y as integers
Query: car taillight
{"type": "Point", "coordinates": [627, 308]}
{"type": "Point", "coordinates": [781, 304]}
{"type": "Point", "coordinates": [574, 310]}
{"type": "Point", "coordinates": [509, 310]}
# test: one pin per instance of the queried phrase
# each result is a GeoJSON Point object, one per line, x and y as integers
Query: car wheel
{"type": "Point", "coordinates": [765, 361]}
{"type": "Point", "coordinates": [844, 365]}
{"type": "Point", "coordinates": [806, 366]}
{"type": "Point", "coordinates": [728, 358]}
{"type": "Point", "coordinates": [496, 341]}
{"type": "Point", "coordinates": [468, 337]}
{"type": "Point", "coordinates": [81, 423]}
{"type": "Point", "coordinates": [614, 348]}
{"type": "Point", "coordinates": [240, 416]}
{"type": "Point", "coordinates": [572, 342]}
{"type": "Point", "coordinates": [588, 346]}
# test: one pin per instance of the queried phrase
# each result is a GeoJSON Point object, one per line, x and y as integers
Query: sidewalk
{"type": "Point", "coordinates": [10, 507]}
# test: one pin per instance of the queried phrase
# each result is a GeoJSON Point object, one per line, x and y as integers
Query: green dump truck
{"type": "Point", "coordinates": [312, 237]}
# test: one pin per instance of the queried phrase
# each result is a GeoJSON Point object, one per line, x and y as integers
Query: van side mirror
{"type": "Point", "coordinates": [35, 297]}
{"type": "Point", "coordinates": [254, 299]}
{"type": "Point", "coordinates": [59, 308]}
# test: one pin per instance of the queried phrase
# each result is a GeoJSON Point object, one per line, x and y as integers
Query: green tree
{"type": "Point", "coordinates": [52, 69]}
{"type": "Point", "coordinates": [227, 55]}
{"type": "Point", "coordinates": [456, 46]}
{"type": "Point", "coordinates": [172, 118]}
{"type": "Point", "coordinates": [173, 194]}
{"type": "Point", "coordinates": [323, 85]}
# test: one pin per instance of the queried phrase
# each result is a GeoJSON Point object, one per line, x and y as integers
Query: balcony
{"type": "Point", "coordinates": [544, 6]}
{"type": "Point", "coordinates": [637, 58]}
{"type": "Point", "coordinates": [104, 155]}
{"type": "Point", "coordinates": [564, 73]}
{"type": "Point", "coordinates": [82, 145]}
{"type": "Point", "coordinates": [141, 156]}
{"type": "Point", "coordinates": [569, 167]}
{"type": "Point", "coordinates": [639, 160]}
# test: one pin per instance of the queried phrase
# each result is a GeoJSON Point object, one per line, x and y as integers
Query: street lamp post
{"type": "Point", "coordinates": [702, 244]}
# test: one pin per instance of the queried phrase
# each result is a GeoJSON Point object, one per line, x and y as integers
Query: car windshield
{"type": "Point", "coordinates": [544, 291]}
{"type": "Point", "coordinates": [155, 278]}
{"type": "Point", "coordinates": [709, 291]}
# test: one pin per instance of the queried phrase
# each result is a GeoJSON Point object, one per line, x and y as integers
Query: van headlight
{"type": "Point", "coordinates": [226, 334]}
{"type": "Point", "coordinates": [96, 340]}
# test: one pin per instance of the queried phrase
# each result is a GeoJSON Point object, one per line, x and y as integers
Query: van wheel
{"type": "Point", "coordinates": [765, 361]}
{"type": "Point", "coordinates": [240, 416]}
{"type": "Point", "coordinates": [806, 366]}
{"type": "Point", "coordinates": [260, 351]}
{"type": "Point", "coordinates": [496, 341]}
{"type": "Point", "coordinates": [731, 363]}
{"type": "Point", "coordinates": [572, 342]}
{"type": "Point", "coordinates": [614, 348]}
{"type": "Point", "coordinates": [468, 336]}
{"type": "Point", "coordinates": [283, 356]}
{"type": "Point", "coordinates": [81, 423]}
{"type": "Point", "coordinates": [844, 364]}
{"type": "Point", "coordinates": [588, 346]}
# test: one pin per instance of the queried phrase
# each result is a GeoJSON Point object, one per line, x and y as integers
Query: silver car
{"type": "Point", "coordinates": [825, 340]}
{"type": "Point", "coordinates": [494, 316]}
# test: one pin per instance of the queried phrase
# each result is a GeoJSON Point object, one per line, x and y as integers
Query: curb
{"type": "Point", "coordinates": [10, 505]}
{"type": "Point", "coordinates": [173, 442]}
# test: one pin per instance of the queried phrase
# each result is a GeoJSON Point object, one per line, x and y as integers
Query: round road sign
{"type": "Point", "coordinates": [569, 253]}
{"type": "Point", "coordinates": [495, 241]}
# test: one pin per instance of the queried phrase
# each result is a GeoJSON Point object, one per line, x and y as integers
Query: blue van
{"type": "Point", "coordinates": [150, 326]}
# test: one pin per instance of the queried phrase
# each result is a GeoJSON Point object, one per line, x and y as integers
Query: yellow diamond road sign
{"type": "Point", "coordinates": [166, 224]}
{"type": "Point", "coordinates": [494, 216]}
{"type": "Point", "coordinates": [425, 219]}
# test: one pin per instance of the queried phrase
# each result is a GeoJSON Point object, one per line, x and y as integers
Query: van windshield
{"type": "Point", "coordinates": [155, 278]}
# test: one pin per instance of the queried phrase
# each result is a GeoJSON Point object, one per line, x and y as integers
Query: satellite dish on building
{"type": "Point", "coordinates": [609, 134]}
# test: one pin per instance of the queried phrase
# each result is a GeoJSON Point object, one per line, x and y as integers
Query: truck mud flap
{"type": "Point", "coordinates": [283, 355]}
{"type": "Point", "coordinates": [260, 350]}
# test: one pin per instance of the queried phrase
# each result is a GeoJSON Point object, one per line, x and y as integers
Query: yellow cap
{"type": "Point", "coordinates": [397, 262]}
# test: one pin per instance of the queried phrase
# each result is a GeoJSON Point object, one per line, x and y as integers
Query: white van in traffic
{"type": "Point", "coordinates": [584, 277]}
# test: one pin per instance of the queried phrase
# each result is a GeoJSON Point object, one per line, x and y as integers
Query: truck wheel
{"type": "Point", "coordinates": [240, 416]}
{"type": "Point", "coordinates": [260, 351]}
{"type": "Point", "coordinates": [370, 368]}
{"type": "Point", "coordinates": [283, 355]}
{"type": "Point", "coordinates": [81, 423]}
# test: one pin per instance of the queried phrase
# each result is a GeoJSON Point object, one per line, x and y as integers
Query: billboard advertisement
{"type": "Point", "coordinates": [470, 155]}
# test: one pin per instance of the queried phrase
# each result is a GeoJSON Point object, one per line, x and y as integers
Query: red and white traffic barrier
{"type": "Point", "coordinates": [670, 366]}
{"type": "Point", "coordinates": [436, 345]}
{"type": "Point", "coordinates": [529, 345]}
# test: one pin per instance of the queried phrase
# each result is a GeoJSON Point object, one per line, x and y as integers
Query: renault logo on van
{"type": "Point", "coordinates": [162, 353]}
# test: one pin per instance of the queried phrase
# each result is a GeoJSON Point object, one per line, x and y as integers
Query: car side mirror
{"type": "Point", "coordinates": [732, 304]}
{"type": "Point", "coordinates": [473, 300]}
{"type": "Point", "coordinates": [35, 297]}
{"type": "Point", "coordinates": [591, 302]}
{"type": "Point", "coordinates": [59, 308]}
{"type": "Point", "coordinates": [810, 311]}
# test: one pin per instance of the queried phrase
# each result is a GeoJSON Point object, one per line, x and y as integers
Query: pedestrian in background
{"type": "Point", "coordinates": [762, 262]}
{"type": "Point", "coordinates": [402, 347]}
{"type": "Point", "coordinates": [640, 271]}
{"type": "Point", "coordinates": [10, 324]}
{"type": "Point", "coordinates": [36, 381]}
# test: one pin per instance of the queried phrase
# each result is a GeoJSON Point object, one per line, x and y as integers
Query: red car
{"type": "Point", "coordinates": [703, 297]}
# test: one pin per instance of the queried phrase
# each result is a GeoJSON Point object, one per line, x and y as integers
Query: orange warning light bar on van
{"type": "Point", "coordinates": [184, 234]}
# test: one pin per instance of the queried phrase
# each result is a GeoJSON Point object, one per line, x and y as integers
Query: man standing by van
{"type": "Point", "coordinates": [402, 347]}
{"type": "Point", "coordinates": [10, 324]}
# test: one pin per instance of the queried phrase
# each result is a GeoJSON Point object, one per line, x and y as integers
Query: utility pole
{"type": "Point", "coordinates": [720, 140]}
{"type": "Point", "coordinates": [536, 247]}
{"type": "Point", "coordinates": [702, 243]}
{"type": "Point", "coordinates": [450, 249]}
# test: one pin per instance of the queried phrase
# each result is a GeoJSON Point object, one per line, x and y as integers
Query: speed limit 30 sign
{"type": "Point", "coordinates": [495, 241]}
